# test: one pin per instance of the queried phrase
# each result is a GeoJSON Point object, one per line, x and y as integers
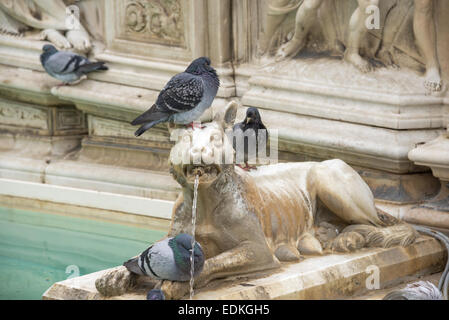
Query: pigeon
{"type": "Point", "coordinates": [67, 66]}
{"type": "Point", "coordinates": [184, 98]}
{"type": "Point", "coordinates": [168, 259]}
{"type": "Point", "coordinates": [155, 294]}
{"type": "Point", "coordinates": [249, 128]}
{"type": "Point", "coordinates": [421, 290]}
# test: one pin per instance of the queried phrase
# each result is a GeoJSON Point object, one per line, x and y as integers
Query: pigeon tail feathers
{"type": "Point", "coordinates": [150, 115]}
{"type": "Point", "coordinates": [149, 125]}
{"type": "Point", "coordinates": [93, 66]}
{"type": "Point", "coordinates": [133, 266]}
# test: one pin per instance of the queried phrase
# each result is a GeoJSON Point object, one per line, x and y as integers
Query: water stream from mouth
{"type": "Point", "coordinates": [192, 260]}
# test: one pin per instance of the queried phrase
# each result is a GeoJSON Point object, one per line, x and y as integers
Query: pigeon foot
{"type": "Point", "coordinates": [194, 125]}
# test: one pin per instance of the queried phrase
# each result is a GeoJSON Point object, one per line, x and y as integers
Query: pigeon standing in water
{"type": "Point", "coordinates": [421, 290]}
{"type": "Point", "coordinates": [67, 66]}
{"type": "Point", "coordinates": [248, 132]}
{"type": "Point", "coordinates": [168, 259]}
{"type": "Point", "coordinates": [184, 98]}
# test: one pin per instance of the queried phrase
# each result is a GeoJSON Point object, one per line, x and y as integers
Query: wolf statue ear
{"type": "Point", "coordinates": [227, 117]}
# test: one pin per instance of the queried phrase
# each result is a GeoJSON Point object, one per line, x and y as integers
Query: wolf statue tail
{"type": "Point", "coordinates": [385, 237]}
{"type": "Point", "coordinates": [394, 233]}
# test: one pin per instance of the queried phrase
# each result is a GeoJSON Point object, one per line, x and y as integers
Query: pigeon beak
{"type": "Point", "coordinates": [248, 119]}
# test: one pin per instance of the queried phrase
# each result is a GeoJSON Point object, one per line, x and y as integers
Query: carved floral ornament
{"type": "Point", "coordinates": [156, 20]}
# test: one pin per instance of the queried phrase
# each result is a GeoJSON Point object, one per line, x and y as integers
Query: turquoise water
{"type": "Point", "coordinates": [39, 249]}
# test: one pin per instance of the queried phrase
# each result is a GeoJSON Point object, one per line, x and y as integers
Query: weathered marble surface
{"type": "Point", "coordinates": [384, 123]}
{"type": "Point", "coordinates": [330, 277]}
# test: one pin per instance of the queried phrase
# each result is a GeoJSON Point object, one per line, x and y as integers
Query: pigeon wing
{"type": "Point", "coordinates": [64, 62]}
{"type": "Point", "coordinates": [182, 93]}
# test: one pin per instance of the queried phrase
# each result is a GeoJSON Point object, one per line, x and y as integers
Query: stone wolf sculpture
{"type": "Point", "coordinates": [251, 221]}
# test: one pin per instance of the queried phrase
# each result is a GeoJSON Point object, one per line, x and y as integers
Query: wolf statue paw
{"type": "Point", "coordinates": [347, 242]}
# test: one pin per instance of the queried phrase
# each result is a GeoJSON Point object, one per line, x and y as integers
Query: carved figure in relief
{"type": "Point", "coordinates": [58, 21]}
{"type": "Point", "coordinates": [424, 31]}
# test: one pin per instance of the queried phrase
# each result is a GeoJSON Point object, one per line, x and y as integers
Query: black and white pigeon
{"type": "Point", "coordinates": [248, 131]}
{"type": "Point", "coordinates": [184, 98]}
{"type": "Point", "coordinates": [421, 290]}
{"type": "Point", "coordinates": [168, 259]}
{"type": "Point", "coordinates": [67, 66]}
{"type": "Point", "coordinates": [155, 294]}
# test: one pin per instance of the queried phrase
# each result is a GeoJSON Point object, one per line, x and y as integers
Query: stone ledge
{"type": "Point", "coordinates": [419, 214]}
{"type": "Point", "coordinates": [356, 144]}
{"type": "Point", "coordinates": [434, 154]}
{"type": "Point", "coordinates": [111, 100]}
{"type": "Point", "coordinates": [87, 198]}
{"type": "Point", "coordinates": [384, 98]}
{"type": "Point", "coordinates": [326, 277]}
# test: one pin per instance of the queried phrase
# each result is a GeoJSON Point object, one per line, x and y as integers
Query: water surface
{"type": "Point", "coordinates": [38, 249]}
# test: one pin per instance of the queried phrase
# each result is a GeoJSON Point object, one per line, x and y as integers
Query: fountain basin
{"type": "Point", "coordinates": [325, 277]}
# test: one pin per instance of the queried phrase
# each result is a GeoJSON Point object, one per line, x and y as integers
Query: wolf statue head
{"type": "Point", "coordinates": [206, 152]}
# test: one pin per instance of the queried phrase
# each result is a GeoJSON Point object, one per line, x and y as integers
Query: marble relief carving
{"type": "Point", "coordinates": [406, 34]}
{"type": "Point", "coordinates": [23, 116]}
{"type": "Point", "coordinates": [57, 21]}
{"type": "Point", "coordinates": [155, 21]}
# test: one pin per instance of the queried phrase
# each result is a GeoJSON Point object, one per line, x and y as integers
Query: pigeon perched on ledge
{"type": "Point", "coordinates": [184, 98]}
{"type": "Point", "coordinates": [168, 259]}
{"type": "Point", "coordinates": [67, 66]}
{"type": "Point", "coordinates": [421, 290]}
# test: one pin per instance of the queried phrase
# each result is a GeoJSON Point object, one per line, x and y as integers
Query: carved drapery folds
{"type": "Point", "coordinates": [155, 21]}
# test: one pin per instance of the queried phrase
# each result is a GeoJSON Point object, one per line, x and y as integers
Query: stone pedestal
{"type": "Point", "coordinates": [329, 277]}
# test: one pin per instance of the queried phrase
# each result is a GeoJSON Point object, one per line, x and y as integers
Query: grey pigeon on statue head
{"type": "Point", "coordinates": [184, 98]}
{"type": "Point", "coordinates": [251, 130]}
{"type": "Point", "coordinates": [421, 290]}
{"type": "Point", "coordinates": [168, 259]}
{"type": "Point", "coordinates": [67, 66]}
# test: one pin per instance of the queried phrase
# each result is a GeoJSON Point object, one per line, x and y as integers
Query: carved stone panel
{"type": "Point", "coordinates": [18, 117]}
{"type": "Point", "coordinates": [21, 115]}
{"type": "Point", "coordinates": [145, 28]}
{"type": "Point", "coordinates": [68, 119]}
{"type": "Point", "coordinates": [157, 21]}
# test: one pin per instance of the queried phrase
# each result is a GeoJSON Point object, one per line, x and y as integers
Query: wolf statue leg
{"type": "Point", "coordinates": [345, 194]}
